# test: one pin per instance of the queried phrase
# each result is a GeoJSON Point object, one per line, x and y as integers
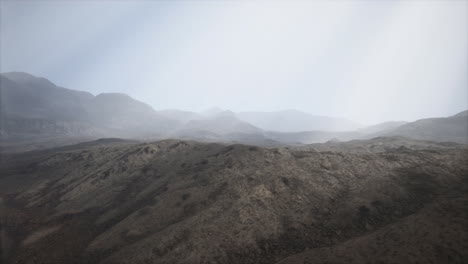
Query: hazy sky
{"type": "Point", "coordinates": [369, 61]}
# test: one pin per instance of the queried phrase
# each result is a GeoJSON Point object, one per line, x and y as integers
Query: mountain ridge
{"type": "Point", "coordinates": [34, 108]}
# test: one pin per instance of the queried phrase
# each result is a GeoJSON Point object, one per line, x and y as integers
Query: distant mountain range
{"type": "Point", "coordinates": [453, 128]}
{"type": "Point", "coordinates": [34, 108]}
{"type": "Point", "coordinates": [379, 197]}
{"type": "Point", "coordinates": [32, 105]}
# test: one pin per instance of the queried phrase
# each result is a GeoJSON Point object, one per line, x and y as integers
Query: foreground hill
{"type": "Point", "coordinates": [115, 201]}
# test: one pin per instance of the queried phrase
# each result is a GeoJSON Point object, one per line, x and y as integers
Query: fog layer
{"type": "Point", "coordinates": [365, 61]}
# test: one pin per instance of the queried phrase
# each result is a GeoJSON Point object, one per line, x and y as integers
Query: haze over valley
{"type": "Point", "coordinates": [34, 110]}
{"type": "Point", "coordinates": [238, 132]}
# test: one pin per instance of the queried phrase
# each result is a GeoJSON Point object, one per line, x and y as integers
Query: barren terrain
{"type": "Point", "coordinates": [116, 201]}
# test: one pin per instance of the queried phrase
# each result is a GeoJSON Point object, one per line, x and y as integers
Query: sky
{"type": "Point", "coordinates": [369, 61]}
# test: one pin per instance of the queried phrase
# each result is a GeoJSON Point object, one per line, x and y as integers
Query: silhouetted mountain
{"type": "Point", "coordinates": [296, 121]}
{"type": "Point", "coordinates": [26, 96]}
{"type": "Point", "coordinates": [464, 113]}
{"type": "Point", "coordinates": [36, 107]}
{"type": "Point", "coordinates": [171, 201]}
{"type": "Point", "coordinates": [221, 124]}
{"type": "Point", "coordinates": [129, 117]}
{"type": "Point", "coordinates": [34, 112]}
{"type": "Point", "coordinates": [225, 127]}
{"type": "Point", "coordinates": [32, 107]}
{"type": "Point", "coordinates": [452, 128]}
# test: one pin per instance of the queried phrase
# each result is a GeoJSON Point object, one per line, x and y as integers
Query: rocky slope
{"type": "Point", "coordinates": [175, 201]}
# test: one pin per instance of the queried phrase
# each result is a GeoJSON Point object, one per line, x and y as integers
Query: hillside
{"type": "Point", "coordinates": [33, 107]}
{"type": "Point", "coordinates": [452, 128]}
{"type": "Point", "coordinates": [175, 201]}
{"type": "Point", "coordinates": [382, 127]}
{"type": "Point", "coordinates": [37, 114]}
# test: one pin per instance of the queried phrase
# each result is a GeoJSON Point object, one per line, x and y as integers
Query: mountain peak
{"type": "Point", "coordinates": [18, 75]}
{"type": "Point", "coordinates": [23, 77]}
{"type": "Point", "coordinates": [113, 96]}
{"type": "Point", "coordinates": [463, 113]}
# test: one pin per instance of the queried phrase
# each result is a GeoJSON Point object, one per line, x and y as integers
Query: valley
{"type": "Point", "coordinates": [233, 132]}
{"type": "Point", "coordinates": [107, 179]}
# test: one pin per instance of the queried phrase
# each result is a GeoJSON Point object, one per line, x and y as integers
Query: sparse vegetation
{"type": "Point", "coordinates": [189, 202]}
